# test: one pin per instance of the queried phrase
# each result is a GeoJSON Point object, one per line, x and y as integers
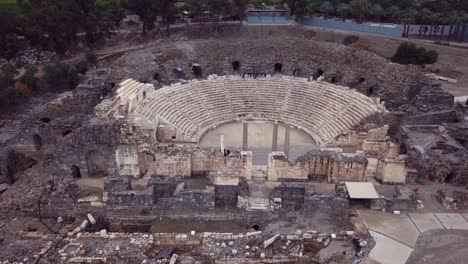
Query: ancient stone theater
{"type": "Point", "coordinates": [248, 149]}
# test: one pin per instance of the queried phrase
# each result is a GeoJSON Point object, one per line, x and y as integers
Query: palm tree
{"type": "Point", "coordinates": [465, 21]}
{"type": "Point", "coordinates": [408, 16]}
{"type": "Point", "coordinates": [434, 18]}
{"type": "Point", "coordinates": [444, 20]}
{"type": "Point", "coordinates": [451, 18]}
{"type": "Point", "coordinates": [424, 17]}
{"type": "Point", "coordinates": [460, 24]}
{"type": "Point", "coordinates": [364, 7]}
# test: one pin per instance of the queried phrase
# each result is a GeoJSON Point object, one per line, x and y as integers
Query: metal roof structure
{"type": "Point", "coordinates": [361, 190]}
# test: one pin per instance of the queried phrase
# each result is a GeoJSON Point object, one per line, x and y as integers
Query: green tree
{"type": "Point", "coordinates": [344, 10]}
{"type": "Point", "coordinates": [168, 11]}
{"type": "Point", "coordinates": [50, 23]}
{"type": "Point", "coordinates": [7, 76]}
{"type": "Point", "coordinates": [313, 6]}
{"type": "Point", "coordinates": [408, 53]}
{"type": "Point", "coordinates": [9, 97]}
{"type": "Point", "coordinates": [8, 34]}
{"type": "Point", "coordinates": [376, 11]}
{"type": "Point", "coordinates": [424, 17]}
{"type": "Point", "coordinates": [364, 6]}
{"type": "Point", "coordinates": [393, 12]}
{"type": "Point", "coordinates": [299, 8]}
{"type": "Point", "coordinates": [464, 22]}
{"type": "Point", "coordinates": [82, 67]}
{"type": "Point", "coordinates": [327, 8]}
{"type": "Point", "coordinates": [408, 16]}
{"type": "Point", "coordinates": [434, 19]}
{"type": "Point", "coordinates": [29, 77]}
{"type": "Point", "coordinates": [61, 76]}
{"type": "Point", "coordinates": [195, 8]}
{"type": "Point", "coordinates": [95, 20]}
{"type": "Point", "coordinates": [56, 24]}
{"type": "Point", "coordinates": [216, 8]}
{"type": "Point", "coordinates": [146, 10]}
{"type": "Point", "coordinates": [356, 9]}
{"type": "Point", "coordinates": [91, 57]}
{"type": "Point", "coordinates": [240, 8]}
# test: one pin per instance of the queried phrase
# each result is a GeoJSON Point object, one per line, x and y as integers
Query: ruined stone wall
{"type": "Point", "coordinates": [131, 198]}
{"type": "Point", "coordinates": [117, 184]}
{"type": "Point", "coordinates": [189, 200]}
{"type": "Point", "coordinates": [226, 196]}
{"type": "Point", "coordinates": [393, 203]}
{"type": "Point", "coordinates": [292, 195]}
{"type": "Point", "coordinates": [127, 160]}
{"type": "Point", "coordinates": [70, 156]}
{"type": "Point", "coordinates": [317, 166]}
{"type": "Point", "coordinates": [434, 154]}
{"type": "Point", "coordinates": [431, 118]}
{"type": "Point", "coordinates": [188, 161]}
{"type": "Point", "coordinates": [161, 193]}
{"type": "Point", "coordinates": [173, 161]}
{"type": "Point", "coordinates": [356, 138]}
{"type": "Point", "coordinates": [328, 204]}
{"type": "Point", "coordinates": [391, 170]}
{"type": "Point", "coordinates": [380, 148]}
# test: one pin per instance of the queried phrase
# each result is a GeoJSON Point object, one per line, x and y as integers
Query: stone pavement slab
{"type": "Point", "coordinates": [398, 227]}
{"type": "Point", "coordinates": [452, 221]}
{"type": "Point", "coordinates": [426, 222]}
{"type": "Point", "coordinates": [388, 251]}
{"type": "Point", "coordinates": [466, 216]}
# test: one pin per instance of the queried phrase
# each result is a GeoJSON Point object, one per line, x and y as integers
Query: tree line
{"type": "Point", "coordinates": [430, 14]}
{"type": "Point", "coordinates": [57, 25]}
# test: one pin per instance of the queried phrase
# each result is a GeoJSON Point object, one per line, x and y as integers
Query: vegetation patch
{"type": "Point", "coordinates": [408, 53]}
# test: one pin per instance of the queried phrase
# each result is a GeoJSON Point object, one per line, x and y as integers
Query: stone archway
{"type": "Point", "coordinates": [278, 68]}
{"type": "Point", "coordinates": [317, 74]}
{"type": "Point", "coordinates": [75, 172]}
{"type": "Point", "coordinates": [12, 162]}
{"type": "Point", "coordinates": [37, 140]}
{"type": "Point", "coordinates": [235, 65]}
{"type": "Point", "coordinates": [197, 70]}
{"type": "Point", "coordinates": [96, 164]}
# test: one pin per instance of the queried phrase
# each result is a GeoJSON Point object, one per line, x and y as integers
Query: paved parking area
{"type": "Point", "coordinates": [425, 222]}
{"type": "Point", "coordinates": [386, 248]}
{"type": "Point", "coordinates": [396, 235]}
{"type": "Point", "coordinates": [452, 221]}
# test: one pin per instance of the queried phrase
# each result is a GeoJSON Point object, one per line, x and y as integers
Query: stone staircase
{"type": "Point", "coordinates": [259, 173]}
{"type": "Point", "coordinates": [259, 192]}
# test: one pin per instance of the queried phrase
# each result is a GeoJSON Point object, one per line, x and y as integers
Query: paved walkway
{"type": "Point", "coordinates": [396, 235]}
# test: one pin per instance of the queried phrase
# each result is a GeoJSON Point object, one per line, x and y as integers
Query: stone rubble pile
{"type": "Point", "coordinates": [29, 56]}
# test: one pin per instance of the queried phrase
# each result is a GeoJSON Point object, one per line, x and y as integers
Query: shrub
{"type": "Point", "coordinates": [91, 57]}
{"type": "Point", "coordinates": [408, 53]}
{"type": "Point", "coordinates": [61, 76]}
{"type": "Point", "coordinates": [29, 78]}
{"type": "Point", "coordinates": [82, 67]}
{"type": "Point", "coordinates": [9, 97]}
{"type": "Point", "coordinates": [7, 76]}
{"type": "Point", "coordinates": [23, 88]}
{"type": "Point", "coordinates": [350, 39]}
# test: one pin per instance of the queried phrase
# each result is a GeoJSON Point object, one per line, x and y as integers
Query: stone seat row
{"type": "Point", "coordinates": [323, 109]}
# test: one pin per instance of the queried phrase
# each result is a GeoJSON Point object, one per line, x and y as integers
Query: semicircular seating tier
{"type": "Point", "coordinates": [323, 110]}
